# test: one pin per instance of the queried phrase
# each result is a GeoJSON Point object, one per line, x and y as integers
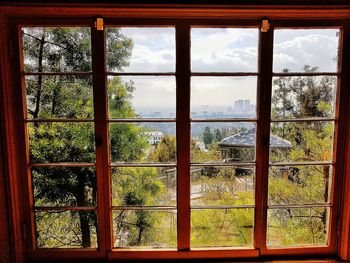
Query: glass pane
{"type": "Point", "coordinates": [59, 97]}
{"type": "Point", "coordinates": [297, 226]}
{"type": "Point", "coordinates": [136, 49]}
{"type": "Point", "coordinates": [66, 229]}
{"type": "Point", "coordinates": [56, 49]}
{"type": "Point", "coordinates": [299, 184]}
{"type": "Point", "coordinates": [224, 49]}
{"type": "Point", "coordinates": [144, 228]}
{"type": "Point", "coordinates": [140, 186]}
{"type": "Point", "coordinates": [212, 185]}
{"type": "Point", "coordinates": [301, 141]}
{"type": "Point", "coordinates": [222, 142]}
{"type": "Point", "coordinates": [143, 142]}
{"type": "Point", "coordinates": [141, 97]}
{"type": "Point", "coordinates": [61, 142]}
{"type": "Point", "coordinates": [223, 97]}
{"type": "Point", "coordinates": [68, 186]}
{"type": "Point", "coordinates": [299, 50]}
{"type": "Point", "coordinates": [222, 227]}
{"type": "Point", "coordinates": [302, 97]}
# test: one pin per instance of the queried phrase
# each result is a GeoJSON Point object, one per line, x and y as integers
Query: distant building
{"type": "Point", "coordinates": [238, 105]}
{"type": "Point", "coordinates": [243, 106]}
{"type": "Point", "coordinates": [201, 146]}
{"type": "Point", "coordinates": [154, 137]}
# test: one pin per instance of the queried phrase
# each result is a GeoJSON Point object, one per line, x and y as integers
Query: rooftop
{"type": "Point", "coordinates": [248, 139]}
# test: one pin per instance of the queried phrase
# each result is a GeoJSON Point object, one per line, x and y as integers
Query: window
{"type": "Point", "coordinates": [180, 139]}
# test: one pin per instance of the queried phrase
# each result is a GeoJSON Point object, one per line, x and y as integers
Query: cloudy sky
{"type": "Point", "coordinates": [221, 50]}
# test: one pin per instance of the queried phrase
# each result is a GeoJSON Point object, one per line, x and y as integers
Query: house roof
{"type": "Point", "coordinates": [248, 139]}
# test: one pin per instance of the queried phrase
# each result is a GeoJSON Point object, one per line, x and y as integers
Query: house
{"type": "Point", "coordinates": [242, 146]}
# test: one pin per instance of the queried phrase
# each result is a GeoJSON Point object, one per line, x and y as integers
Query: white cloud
{"type": "Point", "coordinates": [295, 48]}
{"type": "Point", "coordinates": [153, 91]}
{"type": "Point", "coordinates": [227, 50]}
{"type": "Point", "coordinates": [154, 49]}
{"type": "Point", "coordinates": [218, 49]}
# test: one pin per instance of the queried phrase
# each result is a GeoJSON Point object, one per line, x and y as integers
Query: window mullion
{"type": "Point", "coordinates": [101, 138]}
{"type": "Point", "coordinates": [263, 136]}
{"type": "Point", "coordinates": [340, 152]}
{"type": "Point", "coordinates": [183, 131]}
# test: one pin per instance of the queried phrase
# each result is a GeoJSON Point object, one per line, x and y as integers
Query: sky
{"type": "Point", "coordinates": [221, 50]}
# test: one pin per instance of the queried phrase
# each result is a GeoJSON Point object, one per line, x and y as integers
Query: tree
{"type": "Point", "coordinates": [218, 136]}
{"type": "Point", "coordinates": [165, 150]}
{"type": "Point", "coordinates": [68, 50]}
{"type": "Point", "coordinates": [300, 97]}
{"type": "Point", "coordinates": [207, 137]}
{"type": "Point", "coordinates": [135, 187]}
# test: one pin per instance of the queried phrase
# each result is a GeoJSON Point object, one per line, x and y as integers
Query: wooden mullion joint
{"type": "Point", "coordinates": [99, 23]}
{"type": "Point", "coordinates": [265, 25]}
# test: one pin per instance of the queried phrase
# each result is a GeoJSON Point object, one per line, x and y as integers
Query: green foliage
{"type": "Point", "coordinates": [119, 50]}
{"type": "Point", "coordinates": [61, 229]}
{"type": "Point", "coordinates": [211, 155]}
{"type": "Point", "coordinates": [69, 49]}
{"type": "Point", "coordinates": [300, 97]}
{"type": "Point", "coordinates": [119, 96]}
{"type": "Point", "coordinates": [218, 136]}
{"type": "Point", "coordinates": [165, 150]}
{"type": "Point", "coordinates": [222, 227]}
{"type": "Point", "coordinates": [145, 228]}
{"type": "Point", "coordinates": [127, 142]}
{"type": "Point", "coordinates": [136, 186]}
{"type": "Point", "coordinates": [296, 227]}
{"type": "Point", "coordinates": [57, 49]}
{"type": "Point", "coordinates": [208, 137]}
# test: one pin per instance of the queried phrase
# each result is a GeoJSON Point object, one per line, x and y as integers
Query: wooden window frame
{"type": "Point", "coordinates": [180, 17]}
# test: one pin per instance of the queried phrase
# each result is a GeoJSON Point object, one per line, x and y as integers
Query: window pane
{"type": "Point", "coordinates": [66, 229]}
{"type": "Point", "coordinates": [222, 142]}
{"type": "Point", "coordinates": [302, 97]}
{"type": "Point", "coordinates": [56, 49]}
{"type": "Point", "coordinates": [301, 141]}
{"type": "Point", "coordinates": [142, 186]}
{"type": "Point", "coordinates": [224, 49]}
{"type": "Point", "coordinates": [61, 142]}
{"type": "Point", "coordinates": [223, 97]}
{"type": "Point", "coordinates": [69, 186]}
{"type": "Point", "coordinates": [222, 186]}
{"type": "Point", "coordinates": [222, 227]}
{"type": "Point", "coordinates": [297, 226]}
{"type": "Point", "coordinates": [299, 184]}
{"type": "Point", "coordinates": [141, 97]}
{"type": "Point", "coordinates": [143, 49]}
{"type": "Point", "coordinates": [143, 142]}
{"type": "Point", "coordinates": [294, 50]}
{"type": "Point", "coordinates": [59, 97]}
{"type": "Point", "coordinates": [144, 228]}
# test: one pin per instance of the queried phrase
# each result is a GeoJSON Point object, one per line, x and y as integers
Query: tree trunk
{"type": "Point", "coordinates": [39, 82]}
{"type": "Point", "coordinates": [85, 229]}
{"type": "Point", "coordinates": [139, 238]}
{"type": "Point", "coordinates": [84, 216]}
{"type": "Point", "coordinates": [326, 190]}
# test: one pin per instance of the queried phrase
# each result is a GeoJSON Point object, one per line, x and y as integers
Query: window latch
{"type": "Point", "coordinates": [99, 23]}
{"type": "Point", "coordinates": [265, 25]}
{"type": "Point", "coordinates": [266, 142]}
